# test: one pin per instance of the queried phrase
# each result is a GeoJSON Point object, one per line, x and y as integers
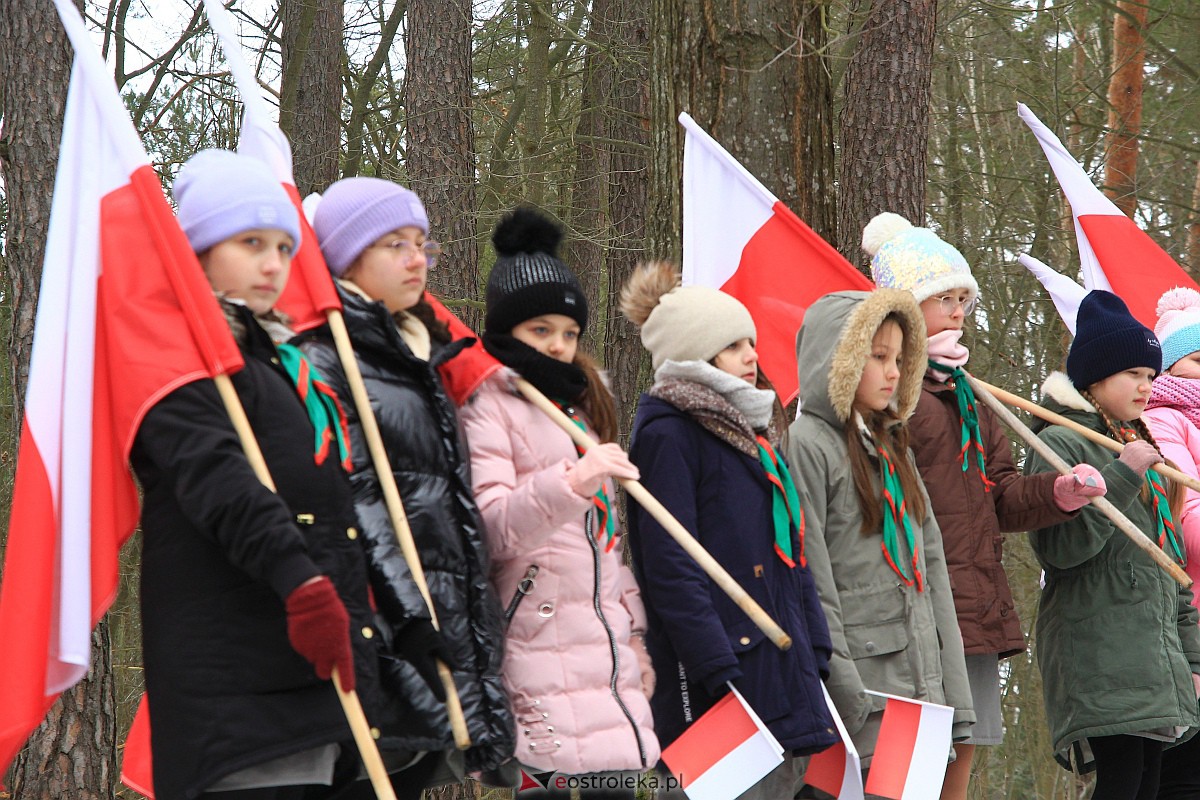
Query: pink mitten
{"type": "Point", "coordinates": [1140, 456]}
{"type": "Point", "coordinates": [638, 643]}
{"type": "Point", "coordinates": [589, 473]}
{"type": "Point", "coordinates": [1071, 492]}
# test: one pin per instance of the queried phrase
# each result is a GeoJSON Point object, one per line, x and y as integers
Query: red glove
{"type": "Point", "coordinates": [319, 629]}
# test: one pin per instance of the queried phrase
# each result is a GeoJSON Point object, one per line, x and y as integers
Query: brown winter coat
{"type": "Point", "coordinates": [971, 518]}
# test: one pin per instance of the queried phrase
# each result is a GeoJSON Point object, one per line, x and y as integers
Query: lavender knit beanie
{"type": "Point", "coordinates": [221, 194]}
{"type": "Point", "coordinates": [356, 211]}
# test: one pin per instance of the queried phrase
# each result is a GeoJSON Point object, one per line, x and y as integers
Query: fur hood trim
{"type": "Point", "coordinates": [1058, 387]}
{"type": "Point", "coordinates": [854, 347]}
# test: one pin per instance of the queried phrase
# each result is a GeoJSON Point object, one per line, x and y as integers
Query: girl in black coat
{"type": "Point", "coordinates": [373, 236]}
{"type": "Point", "coordinates": [249, 598]}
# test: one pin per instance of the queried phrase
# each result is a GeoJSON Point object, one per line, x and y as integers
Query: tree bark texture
{"type": "Point", "coordinates": [627, 131]}
{"type": "Point", "coordinates": [441, 142]}
{"type": "Point", "coordinates": [73, 753]}
{"type": "Point", "coordinates": [885, 123]}
{"type": "Point", "coordinates": [1125, 103]}
{"type": "Point", "coordinates": [588, 232]}
{"type": "Point", "coordinates": [1193, 230]}
{"type": "Point", "coordinates": [311, 96]}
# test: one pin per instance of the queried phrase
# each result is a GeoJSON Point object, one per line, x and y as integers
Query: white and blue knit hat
{"type": "Point", "coordinates": [916, 259]}
{"type": "Point", "coordinates": [221, 194]}
{"type": "Point", "coordinates": [1178, 326]}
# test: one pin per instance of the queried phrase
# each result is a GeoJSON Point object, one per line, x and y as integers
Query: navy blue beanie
{"type": "Point", "coordinates": [1109, 340]}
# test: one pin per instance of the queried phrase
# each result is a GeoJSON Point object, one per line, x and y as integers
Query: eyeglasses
{"type": "Point", "coordinates": [407, 251]}
{"type": "Point", "coordinates": [949, 303]}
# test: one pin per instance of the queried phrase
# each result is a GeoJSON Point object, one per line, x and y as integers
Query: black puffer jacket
{"type": "Point", "coordinates": [220, 553]}
{"type": "Point", "coordinates": [422, 437]}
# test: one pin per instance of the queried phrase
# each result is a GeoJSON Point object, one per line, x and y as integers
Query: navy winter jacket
{"type": "Point", "coordinates": [698, 638]}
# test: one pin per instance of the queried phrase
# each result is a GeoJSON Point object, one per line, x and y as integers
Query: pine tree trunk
{"type": "Point", "coordinates": [885, 122]}
{"type": "Point", "coordinates": [311, 96]}
{"type": "Point", "coordinates": [1193, 230]}
{"type": "Point", "coordinates": [73, 753]}
{"type": "Point", "coordinates": [626, 129]}
{"type": "Point", "coordinates": [441, 142]}
{"type": "Point", "coordinates": [1125, 103]}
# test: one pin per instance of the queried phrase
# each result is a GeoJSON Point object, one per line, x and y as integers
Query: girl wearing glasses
{"type": "Point", "coordinates": [373, 234]}
{"type": "Point", "coordinates": [965, 460]}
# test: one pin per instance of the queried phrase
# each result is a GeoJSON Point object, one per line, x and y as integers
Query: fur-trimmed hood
{"type": "Point", "coordinates": [834, 342]}
{"type": "Point", "coordinates": [1060, 396]}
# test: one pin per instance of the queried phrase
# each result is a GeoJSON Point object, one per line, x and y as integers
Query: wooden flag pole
{"type": "Point", "coordinates": [351, 706]}
{"type": "Point", "coordinates": [983, 392]}
{"type": "Point", "coordinates": [661, 515]}
{"type": "Point", "coordinates": [395, 508]}
{"type": "Point", "coordinates": [1094, 436]}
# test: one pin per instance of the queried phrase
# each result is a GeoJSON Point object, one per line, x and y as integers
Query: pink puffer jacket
{"type": "Point", "coordinates": [570, 636]}
{"type": "Point", "coordinates": [1180, 443]}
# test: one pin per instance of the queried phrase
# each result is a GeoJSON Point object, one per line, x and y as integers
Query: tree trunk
{"type": "Point", "coordinates": [1193, 230]}
{"type": "Point", "coordinates": [589, 232]}
{"type": "Point", "coordinates": [626, 129]}
{"type": "Point", "coordinates": [311, 95]}
{"type": "Point", "coordinates": [73, 753]}
{"type": "Point", "coordinates": [537, 89]}
{"type": "Point", "coordinates": [441, 142]}
{"type": "Point", "coordinates": [1125, 103]}
{"type": "Point", "coordinates": [885, 122]}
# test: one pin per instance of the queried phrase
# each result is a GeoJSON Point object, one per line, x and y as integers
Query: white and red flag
{"type": "Point", "coordinates": [837, 770]}
{"type": "Point", "coordinates": [723, 753]}
{"type": "Point", "coordinates": [739, 238]}
{"type": "Point", "coordinates": [1114, 253]}
{"type": "Point", "coordinates": [912, 749]}
{"type": "Point", "coordinates": [124, 316]}
{"type": "Point", "coordinates": [309, 292]}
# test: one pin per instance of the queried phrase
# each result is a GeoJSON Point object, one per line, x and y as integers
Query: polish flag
{"type": "Point", "coordinates": [1114, 253]}
{"type": "Point", "coordinates": [836, 771]}
{"type": "Point", "coordinates": [739, 238]}
{"type": "Point", "coordinates": [125, 315]}
{"type": "Point", "coordinates": [723, 753]}
{"type": "Point", "coordinates": [1066, 293]}
{"type": "Point", "coordinates": [464, 373]}
{"type": "Point", "coordinates": [309, 293]}
{"type": "Point", "coordinates": [911, 753]}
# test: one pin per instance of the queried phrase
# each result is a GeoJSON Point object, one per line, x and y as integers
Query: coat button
{"type": "Point", "coordinates": [367, 632]}
{"type": "Point", "coordinates": [745, 640]}
{"type": "Point", "coordinates": [870, 647]}
{"type": "Point", "coordinates": [375, 733]}
{"type": "Point", "coordinates": [351, 533]}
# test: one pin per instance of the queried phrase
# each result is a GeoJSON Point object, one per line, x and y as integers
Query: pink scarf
{"type": "Point", "coordinates": [944, 348]}
{"type": "Point", "coordinates": [1181, 394]}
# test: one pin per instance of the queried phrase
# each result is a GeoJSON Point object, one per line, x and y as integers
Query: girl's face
{"type": "Point", "coordinates": [947, 311]}
{"type": "Point", "coordinates": [881, 375]}
{"type": "Point", "coordinates": [739, 359]}
{"type": "Point", "coordinates": [1123, 395]}
{"type": "Point", "coordinates": [554, 335]}
{"type": "Point", "coordinates": [1186, 367]}
{"type": "Point", "coordinates": [252, 266]}
{"type": "Point", "coordinates": [393, 268]}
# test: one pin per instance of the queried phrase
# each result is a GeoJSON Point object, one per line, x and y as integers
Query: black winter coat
{"type": "Point", "coordinates": [220, 554]}
{"type": "Point", "coordinates": [698, 638]}
{"type": "Point", "coordinates": [422, 438]}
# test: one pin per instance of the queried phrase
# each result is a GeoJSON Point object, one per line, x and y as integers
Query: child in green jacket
{"type": "Point", "coordinates": [1117, 640]}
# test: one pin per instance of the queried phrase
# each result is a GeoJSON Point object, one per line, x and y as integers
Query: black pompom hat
{"type": "Point", "coordinates": [1108, 340]}
{"type": "Point", "coordinates": [528, 280]}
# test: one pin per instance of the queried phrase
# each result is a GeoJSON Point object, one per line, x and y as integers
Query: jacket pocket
{"type": "Point", "coordinates": [877, 635]}
{"type": "Point", "coordinates": [764, 670]}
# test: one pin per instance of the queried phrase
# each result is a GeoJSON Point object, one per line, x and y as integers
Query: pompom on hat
{"type": "Point", "coordinates": [220, 194]}
{"type": "Point", "coordinates": [354, 212]}
{"type": "Point", "coordinates": [528, 280]}
{"type": "Point", "coordinates": [1178, 326]}
{"type": "Point", "coordinates": [682, 323]}
{"type": "Point", "coordinates": [1108, 340]}
{"type": "Point", "coordinates": [915, 259]}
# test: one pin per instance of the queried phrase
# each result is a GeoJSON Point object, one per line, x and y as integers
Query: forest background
{"type": "Point", "coordinates": [843, 108]}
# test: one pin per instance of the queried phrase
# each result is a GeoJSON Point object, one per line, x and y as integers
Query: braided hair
{"type": "Point", "coordinates": [1176, 492]}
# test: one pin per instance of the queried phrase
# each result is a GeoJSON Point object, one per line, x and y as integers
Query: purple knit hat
{"type": "Point", "coordinates": [356, 211]}
{"type": "Point", "coordinates": [221, 194]}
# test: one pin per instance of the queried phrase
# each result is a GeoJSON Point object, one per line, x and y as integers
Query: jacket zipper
{"type": "Point", "coordinates": [524, 587]}
{"type": "Point", "coordinates": [589, 521]}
